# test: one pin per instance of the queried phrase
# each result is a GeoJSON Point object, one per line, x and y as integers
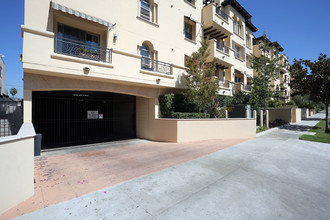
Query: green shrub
{"type": "Point", "coordinates": [275, 103]}
{"type": "Point", "coordinates": [166, 104]}
{"type": "Point", "coordinates": [189, 115]}
{"type": "Point", "coordinates": [309, 106]}
{"type": "Point", "coordinates": [292, 102]}
{"type": "Point", "coordinates": [301, 101]}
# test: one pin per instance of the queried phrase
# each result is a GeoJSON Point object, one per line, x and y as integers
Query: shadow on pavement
{"type": "Point", "coordinates": [313, 119]}
{"type": "Point", "coordinates": [297, 127]}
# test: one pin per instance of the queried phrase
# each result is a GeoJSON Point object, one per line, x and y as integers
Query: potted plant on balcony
{"type": "Point", "coordinates": [88, 53]}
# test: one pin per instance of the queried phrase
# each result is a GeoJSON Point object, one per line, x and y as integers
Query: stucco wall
{"type": "Point", "coordinates": [283, 114]}
{"type": "Point", "coordinates": [16, 167]}
{"type": "Point", "coordinates": [149, 126]}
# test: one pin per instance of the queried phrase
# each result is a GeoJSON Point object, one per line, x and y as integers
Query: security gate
{"type": "Point", "coordinates": [67, 118]}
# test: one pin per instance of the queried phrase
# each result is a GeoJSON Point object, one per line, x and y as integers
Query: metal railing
{"type": "Point", "coordinates": [222, 13]}
{"type": "Point", "coordinates": [156, 66]}
{"type": "Point", "coordinates": [222, 47]}
{"type": "Point", "coordinates": [82, 50]}
{"type": "Point", "coordinates": [247, 87]}
{"type": "Point", "coordinates": [224, 83]}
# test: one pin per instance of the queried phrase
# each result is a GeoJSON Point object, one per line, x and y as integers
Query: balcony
{"type": "Point", "coordinates": [82, 50]}
{"type": "Point", "coordinates": [216, 18]}
{"type": "Point", "coordinates": [224, 84]}
{"type": "Point", "coordinates": [156, 66]}
{"type": "Point", "coordinates": [223, 48]}
{"type": "Point", "coordinates": [247, 87]}
{"type": "Point", "coordinates": [221, 13]}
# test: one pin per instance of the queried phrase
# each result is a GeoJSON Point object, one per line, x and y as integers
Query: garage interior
{"type": "Point", "coordinates": [69, 118]}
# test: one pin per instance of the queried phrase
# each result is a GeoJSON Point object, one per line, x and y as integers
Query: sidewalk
{"type": "Point", "coordinates": [275, 176]}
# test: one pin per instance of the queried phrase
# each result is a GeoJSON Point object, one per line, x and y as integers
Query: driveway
{"type": "Point", "coordinates": [71, 172]}
{"type": "Point", "coordinates": [274, 176]}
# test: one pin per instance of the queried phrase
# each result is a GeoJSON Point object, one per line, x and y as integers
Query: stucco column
{"type": "Point", "coordinates": [226, 113]}
{"type": "Point", "coordinates": [255, 114]}
{"type": "Point", "coordinates": [267, 118]}
{"type": "Point", "coordinates": [261, 118]}
{"type": "Point", "coordinates": [247, 114]}
{"type": "Point", "coordinates": [27, 106]}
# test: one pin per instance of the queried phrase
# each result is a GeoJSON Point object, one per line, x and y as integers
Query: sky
{"type": "Point", "coordinates": [302, 28]}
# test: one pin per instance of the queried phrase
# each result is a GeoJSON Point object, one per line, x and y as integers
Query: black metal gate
{"type": "Point", "coordinates": [67, 118]}
{"type": "Point", "coordinates": [11, 116]}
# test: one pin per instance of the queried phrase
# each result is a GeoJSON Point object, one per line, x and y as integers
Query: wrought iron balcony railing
{"type": "Point", "coordinates": [222, 47]}
{"type": "Point", "coordinates": [82, 50]}
{"type": "Point", "coordinates": [222, 13]}
{"type": "Point", "coordinates": [156, 66]}
{"type": "Point", "coordinates": [224, 83]}
{"type": "Point", "coordinates": [247, 87]}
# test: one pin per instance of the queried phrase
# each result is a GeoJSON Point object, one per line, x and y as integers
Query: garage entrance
{"type": "Point", "coordinates": [67, 118]}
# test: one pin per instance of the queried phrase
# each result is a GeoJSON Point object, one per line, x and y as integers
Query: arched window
{"type": "Point", "coordinates": [147, 53]}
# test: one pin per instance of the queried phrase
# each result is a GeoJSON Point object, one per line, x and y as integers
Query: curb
{"type": "Point", "coordinates": [271, 130]}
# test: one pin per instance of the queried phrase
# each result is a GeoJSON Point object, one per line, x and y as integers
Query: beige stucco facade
{"type": "Point", "coordinates": [124, 39]}
{"type": "Point", "coordinates": [171, 30]}
{"type": "Point", "coordinates": [232, 47]}
{"type": "Point", "coordinates": [282, 79]}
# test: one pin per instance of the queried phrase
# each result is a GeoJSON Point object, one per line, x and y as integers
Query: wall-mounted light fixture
{"type": "Point", "coordinates": [158, 81]}
{"type": "Point", "coordinates": [86, 70]}
{"type": "Point", "coordinates": [115, 37]}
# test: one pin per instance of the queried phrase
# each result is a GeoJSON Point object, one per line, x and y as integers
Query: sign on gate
{"type": "Point", "coordinates": [92, 114]}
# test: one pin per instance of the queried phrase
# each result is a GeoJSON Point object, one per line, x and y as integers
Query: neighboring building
{"type": "Point", "coordinates": [3, 91]}
{"type": "Point", "coordinates": [229, 27]}
{"type": "Point", "coordinates": [281, 83]}
{"type": "Point", "coordinates": [93, 71]}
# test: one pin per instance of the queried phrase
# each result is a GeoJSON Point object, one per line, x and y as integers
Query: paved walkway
{"type": "Point", "coordinates": [72, 172]}
{"type": "Point", "coordinates": [275, 176]}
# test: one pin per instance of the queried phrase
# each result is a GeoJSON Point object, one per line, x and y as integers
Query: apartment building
{"type": "Point", "coordinates": [229, 27]}
{"type": "Point", "coordinates": [93, 71]}
{"type": "Point", "coordinates": [280, 84]}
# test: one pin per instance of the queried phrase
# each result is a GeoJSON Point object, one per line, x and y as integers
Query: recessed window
{"type": "Point", "coordinates": [146, 61]}
{"type": "Point", "coordinates": [192, 2]}
{"type": "Point", "coordinates": [189, 29]}
{"type": "Point", "coordinates": [248, 41]}
{"type": "Point", "coordinates": [148, 10]}
{"type": "Point", "coordinates": [238, 27]}
{"type": "Point", "coordinates": [145, 10]}
{"type": "Point", "coordinates": [79, 43]}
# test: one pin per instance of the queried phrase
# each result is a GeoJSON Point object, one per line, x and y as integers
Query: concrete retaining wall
{"type": "Point", "coordinates": [288, 115]}
{"type": "Point", "coordinates": [150, 126]}
{"type": "Point", "coordinates": [16, 167]}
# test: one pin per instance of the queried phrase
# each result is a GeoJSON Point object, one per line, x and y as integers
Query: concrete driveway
{"type": "Point", "coordinates": [274, 176]}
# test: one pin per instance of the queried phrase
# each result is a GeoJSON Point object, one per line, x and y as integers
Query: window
{"type": "Point", "coordinates": [189, 29]}
{"type": "Point", "coordinates": [237, 79]}
{"type": "Point", "coordinates": [145, 9]}
{"type": "Point", "coordinates": [79, 43]}
{"type": "Point", "coordinates": [192, 2]}
{"type": "Point", "coordinates": [238, 28]}
{"type": "Point", "coordinates": [248, 41]}
{"type": "Point", "coordinates": [237, 52]}
{"type": "Point", "coordinates": [146, 61]}
{"type": "Point", "coordinates": [148, 11]}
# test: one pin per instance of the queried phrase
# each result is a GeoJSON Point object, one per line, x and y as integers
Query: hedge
{"type": "Point", "coordinates": [189, 115]}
